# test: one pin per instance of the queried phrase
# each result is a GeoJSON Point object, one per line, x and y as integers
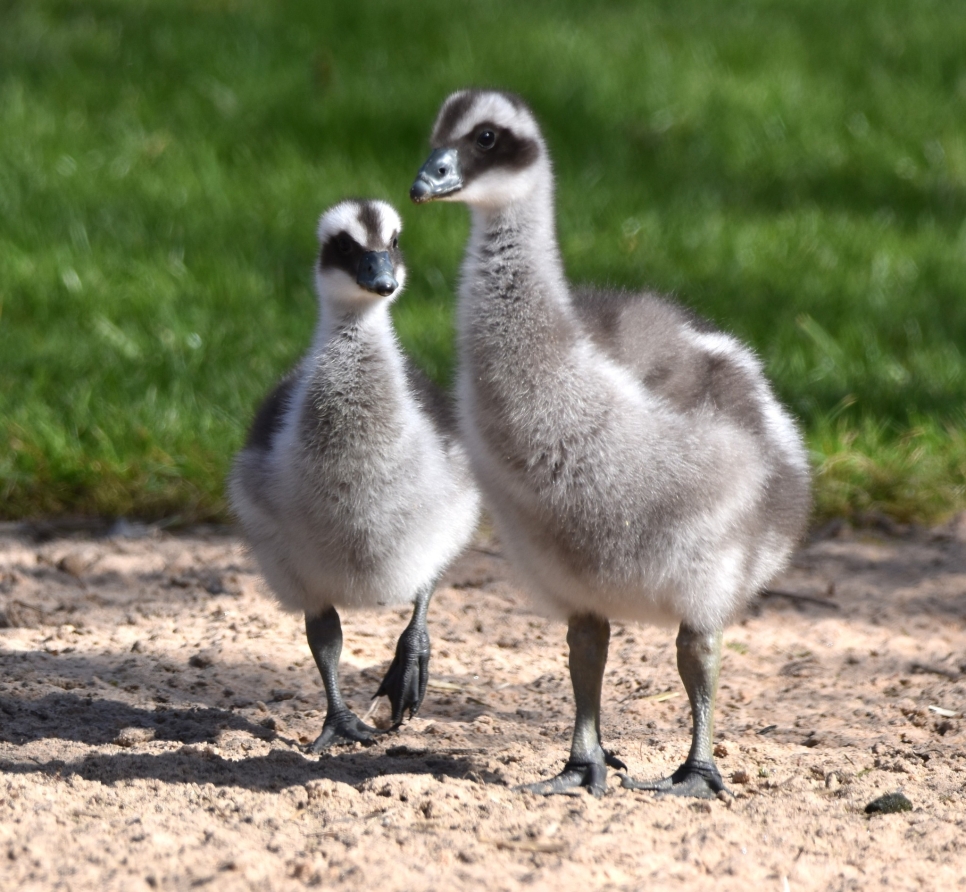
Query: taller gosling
{"type": "Point", "coordinates": [635, 459]}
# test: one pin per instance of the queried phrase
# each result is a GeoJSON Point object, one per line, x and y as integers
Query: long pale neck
{"type": "Point", "coordinates": [515, 304]}
{"type": "Point", "coordinates": [521, 374]}
{"type": "Point", "coordinates": [520, 238]}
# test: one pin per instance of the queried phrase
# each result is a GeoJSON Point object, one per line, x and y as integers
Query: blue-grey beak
{"type": "Point", "coordinates": [439, 176]}
{"type": "Point", "coordinates": [376, 273]}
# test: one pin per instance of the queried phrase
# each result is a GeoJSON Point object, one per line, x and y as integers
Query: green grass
{"type": "Point", "coordinates": [794, 169]}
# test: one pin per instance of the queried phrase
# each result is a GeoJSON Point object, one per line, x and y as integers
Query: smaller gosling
{"type": "Point", "coordinates": [352, 488]}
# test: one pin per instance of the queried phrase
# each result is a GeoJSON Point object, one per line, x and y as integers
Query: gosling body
{"type": "Point", "coordinates": [353, 488]}
{"type": "Point", "coordinates": [635, 459]}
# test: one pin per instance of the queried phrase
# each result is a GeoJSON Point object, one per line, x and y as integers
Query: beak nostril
{"type": "Point", "coordinates": [440, 175]}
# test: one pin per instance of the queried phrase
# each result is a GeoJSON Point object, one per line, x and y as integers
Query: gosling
{"type": "Point", "coordinates": [352, 488]}
{"type": "Point", "coordinates": [635, 459]}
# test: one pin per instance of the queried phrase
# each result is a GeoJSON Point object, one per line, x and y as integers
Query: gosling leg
{"type": "Point", "coordinates": [699, 664]}
{"type": "Point", "coordinates": [324, 634]}
{"type": "Point", "coordinates": [405, 681]}
{"type": "Point", "coordinates": [588, 636]}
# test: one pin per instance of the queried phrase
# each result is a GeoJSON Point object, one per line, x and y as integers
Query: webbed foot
{"type": "Point", "coordinates": [343, 726]}
{"type": "Point", "coordinates": [700, 780]}
{"type": "Point", "coordinates": [405, 682]}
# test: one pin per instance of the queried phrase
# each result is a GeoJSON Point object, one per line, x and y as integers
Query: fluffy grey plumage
{"type": "Point", "coordinates": [353, 489]}
{"type": "Point", "coordinates": [635, 459]}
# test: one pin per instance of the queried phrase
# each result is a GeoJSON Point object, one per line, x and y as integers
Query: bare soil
{"type": "Point", "coordinates": [155, 704]}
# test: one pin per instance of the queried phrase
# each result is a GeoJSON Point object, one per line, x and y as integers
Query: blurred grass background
{"type": "Point", "coordinates": [793, 169]}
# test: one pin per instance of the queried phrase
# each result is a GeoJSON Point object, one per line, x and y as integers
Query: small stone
{"type": "Point", "coordinates": [75, 563]}
{"type": "Point", "coordinates": [889, 804]}
{"type": "Point", "coordinates": [214, 586]}
{"type": "Point", "coordinates": [720, 750]}
{"type": "Point", "coordinates": [278, 694]}
{"type": "Point", "coordinates": [128, 737]}
{"type": "Point", "coordinates": [201, 660]}
{"type": "Point", "coordinates": [740, 776]}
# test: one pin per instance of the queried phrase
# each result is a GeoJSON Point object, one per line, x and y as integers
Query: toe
{"type": "Point", "coordinates": [341, 728]}
{"type": "Point", "coordinates": [657, 785]}
{"type": "Point", "coordinates": [698, 780]}
{"type": "Point", "coordinates": [576, 775]}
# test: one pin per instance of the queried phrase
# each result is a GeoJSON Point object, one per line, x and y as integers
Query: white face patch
{"type": "Point", "coordinates": [390, 224]}
{"type": "Point", "coordinates": [345, 217]}
{"type": "Point", "coordinates": [337, 287]}
{"type": "Point", "coordinates": [497, 188]}
{"type": "Point", "coordinates": [494, 108]}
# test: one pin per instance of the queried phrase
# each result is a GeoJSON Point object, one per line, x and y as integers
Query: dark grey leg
{"type": "Point", "coordinates": [405, 682]}
{"type": "Point", "coordinates": [699, 663]}
{"type": "Point", "coordinates": [341, 725]}
{"type": "Point", "coordinates": [588, 637]}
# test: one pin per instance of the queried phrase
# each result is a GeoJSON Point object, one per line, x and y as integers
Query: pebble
{"type": "Point", "coordinates": [127, 737]}
{"type": "Point", "coordinates": [75, 563]}
{"type": "Point", "coordinates": [889, 804]}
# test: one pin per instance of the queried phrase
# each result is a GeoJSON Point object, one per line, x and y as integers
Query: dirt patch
{"type": "Point", "coordinates": [154, 707]}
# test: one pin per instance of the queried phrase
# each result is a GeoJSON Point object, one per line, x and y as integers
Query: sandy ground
{"type": "Point", "coordinates": [154, 707]}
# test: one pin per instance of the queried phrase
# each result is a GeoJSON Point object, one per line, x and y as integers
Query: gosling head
{"type": "Point", "coordinates": [487, 152]}
{"type": "Point", "coordinates": [359, 258]}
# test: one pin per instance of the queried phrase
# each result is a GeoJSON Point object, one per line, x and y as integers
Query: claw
{"type": "Point", "coordinates": [405, 681]}
{"type": "Point", "coordinates": [700, 780]}
{"type": "Point", "coordinates": [343, 727]}
{"type": "Point", "coordinates": [613, 762]}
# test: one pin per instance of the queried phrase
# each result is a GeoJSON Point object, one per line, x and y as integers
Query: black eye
{"type": "Point", "coordinates": [485, 140]}
{"type": "Point", "coordinates": [394, 244]}
{"type": "Point", "coordinates": [343, 243]}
